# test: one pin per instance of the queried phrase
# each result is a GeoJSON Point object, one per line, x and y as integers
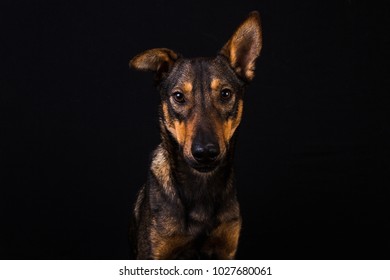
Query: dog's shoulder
{"type": "Point", "coordinates": [161, 170]}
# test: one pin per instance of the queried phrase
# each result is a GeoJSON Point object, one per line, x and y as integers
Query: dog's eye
{"type": "Point", "coordinates": [226, 94]}
{"type": "Point", "coordinates": [178, 96]}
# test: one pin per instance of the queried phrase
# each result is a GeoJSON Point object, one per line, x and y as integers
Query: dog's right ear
{"type": "Point", "coordinates": [159, 61]}
{"type": "Point", "coordinates": [244, 47]}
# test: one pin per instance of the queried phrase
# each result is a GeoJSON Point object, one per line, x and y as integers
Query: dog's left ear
{"type": "Point", "coordinates": [244, 47]}
{"type": "Point", "coordinates": [159, 61]}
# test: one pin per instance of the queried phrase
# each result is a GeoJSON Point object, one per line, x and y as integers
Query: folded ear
{"type": "Point", "coordinates": [156, 60]}
{"type": "Point", "coordinates": [244, 47]}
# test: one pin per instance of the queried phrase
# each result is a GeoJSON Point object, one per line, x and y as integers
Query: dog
{"type": "Point", "coordinates": [188, 208]}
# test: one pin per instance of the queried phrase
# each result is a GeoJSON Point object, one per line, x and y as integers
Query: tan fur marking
{"type": "Point", "coordinates": [161, 168]}
{"type": "Point", "coordinates": [215, 84]}
{"type": "Point", "coordinates": [233, 52]}
{"type": "Point", "coordinates": [172, 126]}
{"type": "Point", "coordinates": [190, 128]}
{"type": "Point", "coordinates": [250, 74]}
{"type": "Point", "coordinates": [231, 124]}
{"type": "Point", "coordinates": [220, 133]}
{"type": "Point", "coordinates": [187, 87]}
{"type": "Point", "coordinates": [164, 248]}
{"type": "Point", "coordinates": [224, 240]}
{"type": "Point", "coordinates": [180, 131]}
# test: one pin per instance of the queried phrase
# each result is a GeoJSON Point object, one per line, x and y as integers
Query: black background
{"type": "Point", "coordinates": [78, 127]}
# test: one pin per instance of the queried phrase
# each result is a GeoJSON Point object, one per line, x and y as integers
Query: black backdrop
{"type": "Point", "coordinates": [78, 127]}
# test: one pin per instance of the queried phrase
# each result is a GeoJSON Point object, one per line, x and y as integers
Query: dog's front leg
{"type": "Point", "coordinates": [168, 248]}
{"type": "Point", "coordinates": [223, 240]}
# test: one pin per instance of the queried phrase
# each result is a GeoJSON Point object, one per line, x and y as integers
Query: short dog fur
{"type": "Point", "coordinates": [188, 207]}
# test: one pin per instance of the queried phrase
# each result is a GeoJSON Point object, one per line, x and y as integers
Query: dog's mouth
{"type": "Point", "coordinates": [203, 167]}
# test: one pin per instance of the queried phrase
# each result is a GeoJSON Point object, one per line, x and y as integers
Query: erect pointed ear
{"type": "Point", "coordinates": [156, 60]}
{"type": "Point", "coordinates": [244, 46]}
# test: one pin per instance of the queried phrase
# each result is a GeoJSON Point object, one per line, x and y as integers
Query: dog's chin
{"type": "Point", "coordinates": [203, 168]}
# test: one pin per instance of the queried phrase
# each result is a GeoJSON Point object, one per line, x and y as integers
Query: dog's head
{"type": "Point", "coordinates": [201, 98]}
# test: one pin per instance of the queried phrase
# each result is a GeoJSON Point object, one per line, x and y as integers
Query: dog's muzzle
{"type": "Point", "coordinates": [205, 157]}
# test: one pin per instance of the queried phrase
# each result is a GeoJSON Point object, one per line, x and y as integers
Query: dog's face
{"type": "Point", "coordinates": [202, 107]}
{"type": "Point", "coordinates": [201, 98]}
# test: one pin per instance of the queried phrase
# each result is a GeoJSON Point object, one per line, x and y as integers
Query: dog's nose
{"type": "Point", "coordinates": [205, 154]}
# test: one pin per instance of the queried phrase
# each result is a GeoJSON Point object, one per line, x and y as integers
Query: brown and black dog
{"type": "Point", "coordinates": [188, 207]}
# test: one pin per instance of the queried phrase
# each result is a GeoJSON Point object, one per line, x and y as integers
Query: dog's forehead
{"type": "Point", "coordinates": [200, 70]}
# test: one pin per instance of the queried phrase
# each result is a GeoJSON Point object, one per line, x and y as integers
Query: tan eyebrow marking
{"type": "Point", "coordinates": [215, 84]}
{"type": "Point", "coordinates": [187, 86]}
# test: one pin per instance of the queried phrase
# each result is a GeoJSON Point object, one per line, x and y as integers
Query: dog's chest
{"type": "Point", "coordinates": [201, 220]}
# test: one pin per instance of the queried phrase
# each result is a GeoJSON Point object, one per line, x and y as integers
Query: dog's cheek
{"type": "Point", "coordinates": [170, 124]}
{"type": "Point", "coordinates": [231, 124]}
{"type": "Point", "coordinates": [190, 126]}
{"type": "Point", "coordinates": [180, 131]}
{"type": "Point", "coordinates": [220, 133]}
